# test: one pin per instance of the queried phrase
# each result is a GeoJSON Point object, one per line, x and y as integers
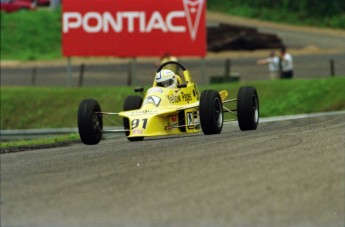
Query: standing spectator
{"type": "Point", "coordinates": [273, 64]}
{"type": "Point", "coordinates": [54, 4]}
{"type": "Point", "coordinates": [285, 64]}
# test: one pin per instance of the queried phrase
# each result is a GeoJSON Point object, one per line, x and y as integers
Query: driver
{"type": "Point", "coordinates": [166, 78]}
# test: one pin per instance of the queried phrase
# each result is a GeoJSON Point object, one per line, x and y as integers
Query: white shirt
{"type": "Point", "coordinates": [287, 63]}
{"type": "Point", "coordinates": [273, 64]}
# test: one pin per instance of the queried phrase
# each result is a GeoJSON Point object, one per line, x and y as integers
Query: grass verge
{"type": "Point", "coordinates": [42, 107]}
{"type": "Point", "coordinates": [24, 145]}
{"type": "Point", "coordinates": [31, 35]}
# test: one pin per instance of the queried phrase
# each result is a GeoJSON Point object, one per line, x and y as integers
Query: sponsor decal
{"type": "Point", "coordinates": [193, 10]}
{"type": "Point", "coordinates": [152, 100]}
{"type": "Point", "coordinates": [136, 21]}
{"type": "Point", "coordinates": [186, 97]}
{"type": "Point", "coordinates": [174, 98]}
{"type": "Point", "coordinates": [133, 28]}
{"type": "Point", "coordinates": [174, 118]}
{"type": "Point", "coordinates": [137, 131]}
{"type": "Point", "coordinates": [126, 21]}
{"type": "Point", "coordinates": [159, 75]}
{"type": "Point", "coordinates": [143, 112]}
{"type": "Point", "coordinates": [196, 119]}
{"type": "Point", "coordinates": [173, 122]}
{"type": "Point", "coordinates": [155, 89]}
{"type": "Point", "coordinates": [190, 119]}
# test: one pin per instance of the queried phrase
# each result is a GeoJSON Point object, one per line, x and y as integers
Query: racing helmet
{"type": "Point", "coordinates": [166, 78]}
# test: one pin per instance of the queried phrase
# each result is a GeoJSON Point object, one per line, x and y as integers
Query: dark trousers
{"type": "Point", "coordinates": [286, 74]}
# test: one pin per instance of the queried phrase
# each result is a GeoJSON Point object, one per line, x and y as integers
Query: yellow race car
{"type": "Point", "coordinates": [172, 106]}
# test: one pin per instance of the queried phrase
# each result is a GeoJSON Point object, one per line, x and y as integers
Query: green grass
{"type": "Point", "coordinates": [39, 107]}
{"type": "Point", "coordinates": [31, 35]}
{"type": "Point", "coordinates": [279, 14]}
{"type": "Point", "coordinates": [41, 141]}
{"type": "Point", "coordinates": [305, 96]}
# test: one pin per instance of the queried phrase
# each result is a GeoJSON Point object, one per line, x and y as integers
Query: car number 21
{"type": "Point", "coordinates": [137, 123]}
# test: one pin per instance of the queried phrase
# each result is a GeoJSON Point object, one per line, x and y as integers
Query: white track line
{"type": "Point", "coordinates": [300, 116]}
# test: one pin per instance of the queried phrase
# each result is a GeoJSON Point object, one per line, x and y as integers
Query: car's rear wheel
{"type": "Point", "coordinates": [211, 112]}
{"type": "Point", "coordinates": [90, 122]}
{"type": "Point", "coordinates": [247, 108]}
{"type": "Point", "coordinates": [132, 102]}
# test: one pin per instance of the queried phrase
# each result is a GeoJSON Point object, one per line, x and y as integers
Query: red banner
{"type": "Point", "coordinates": [130, 28]}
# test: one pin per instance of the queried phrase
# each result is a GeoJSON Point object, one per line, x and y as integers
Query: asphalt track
{"type": "Point", "coordinates": [286, 173]}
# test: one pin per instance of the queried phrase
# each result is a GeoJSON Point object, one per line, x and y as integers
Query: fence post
{"type": "Point", "coordinates": [33, 76]}
{"type": "Point", "coordinates": [69, 72]}
{"type": "Point", "coordinates": [227, 67]}
{"type": "Point", "coordinates": [129, 75]}
{"type": "Point", "coordinates": [202, 70]}
{"type": "Point", "coordinates": [132, 67]}
{"type": "Point", "coordinates": [331, 61]}
{"type": "Point", "coordinates": [81, 75]}
{"type": "Point", "coordinates": [54, 4]}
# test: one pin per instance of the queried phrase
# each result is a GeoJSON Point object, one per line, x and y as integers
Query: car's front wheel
{"type": "Point", "coordinates": [90, 122]}
{"type": "Point", "coordinates": [247, 108]}
{"type": "Point", "coordinates": [211, 112]}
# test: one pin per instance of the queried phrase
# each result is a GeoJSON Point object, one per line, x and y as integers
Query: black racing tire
{"type": "Point", "coordinates": [132, 102]}
{"type": "Point", "coordinates": [90, 122]}
{"type": "Point", "coordinates": [211, 112]}
{"type": "Point", "coordinates": [247, 108]}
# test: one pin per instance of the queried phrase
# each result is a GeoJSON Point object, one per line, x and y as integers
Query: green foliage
{"type": "Point", "coordinates": [306, 96]}
{"type": "Point", "coordinates": [37, 107]}
{"type": "Point", "coordinates": [31, 35]}
{"type": "Point", "coordinates": [40, 141]}
{"type": "Point", "coordinates": [43, 107]}
{"type": "Point", "coordinates": [307, 12]}
{"type": "Point", "coordinates": [314, 8]}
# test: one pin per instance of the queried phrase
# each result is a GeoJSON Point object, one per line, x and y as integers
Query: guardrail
{"type": "Point", "coordinates": [17, 134]}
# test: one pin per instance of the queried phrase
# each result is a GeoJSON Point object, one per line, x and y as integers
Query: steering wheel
{"type": "Point", "coordinates": [171, 62]}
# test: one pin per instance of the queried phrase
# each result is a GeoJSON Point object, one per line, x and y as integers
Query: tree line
{"type": "Point", "coordinates": [309, 8]}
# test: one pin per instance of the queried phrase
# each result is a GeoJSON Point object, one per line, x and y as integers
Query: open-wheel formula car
{"type": "Point", "coordinates": [162, 111]}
